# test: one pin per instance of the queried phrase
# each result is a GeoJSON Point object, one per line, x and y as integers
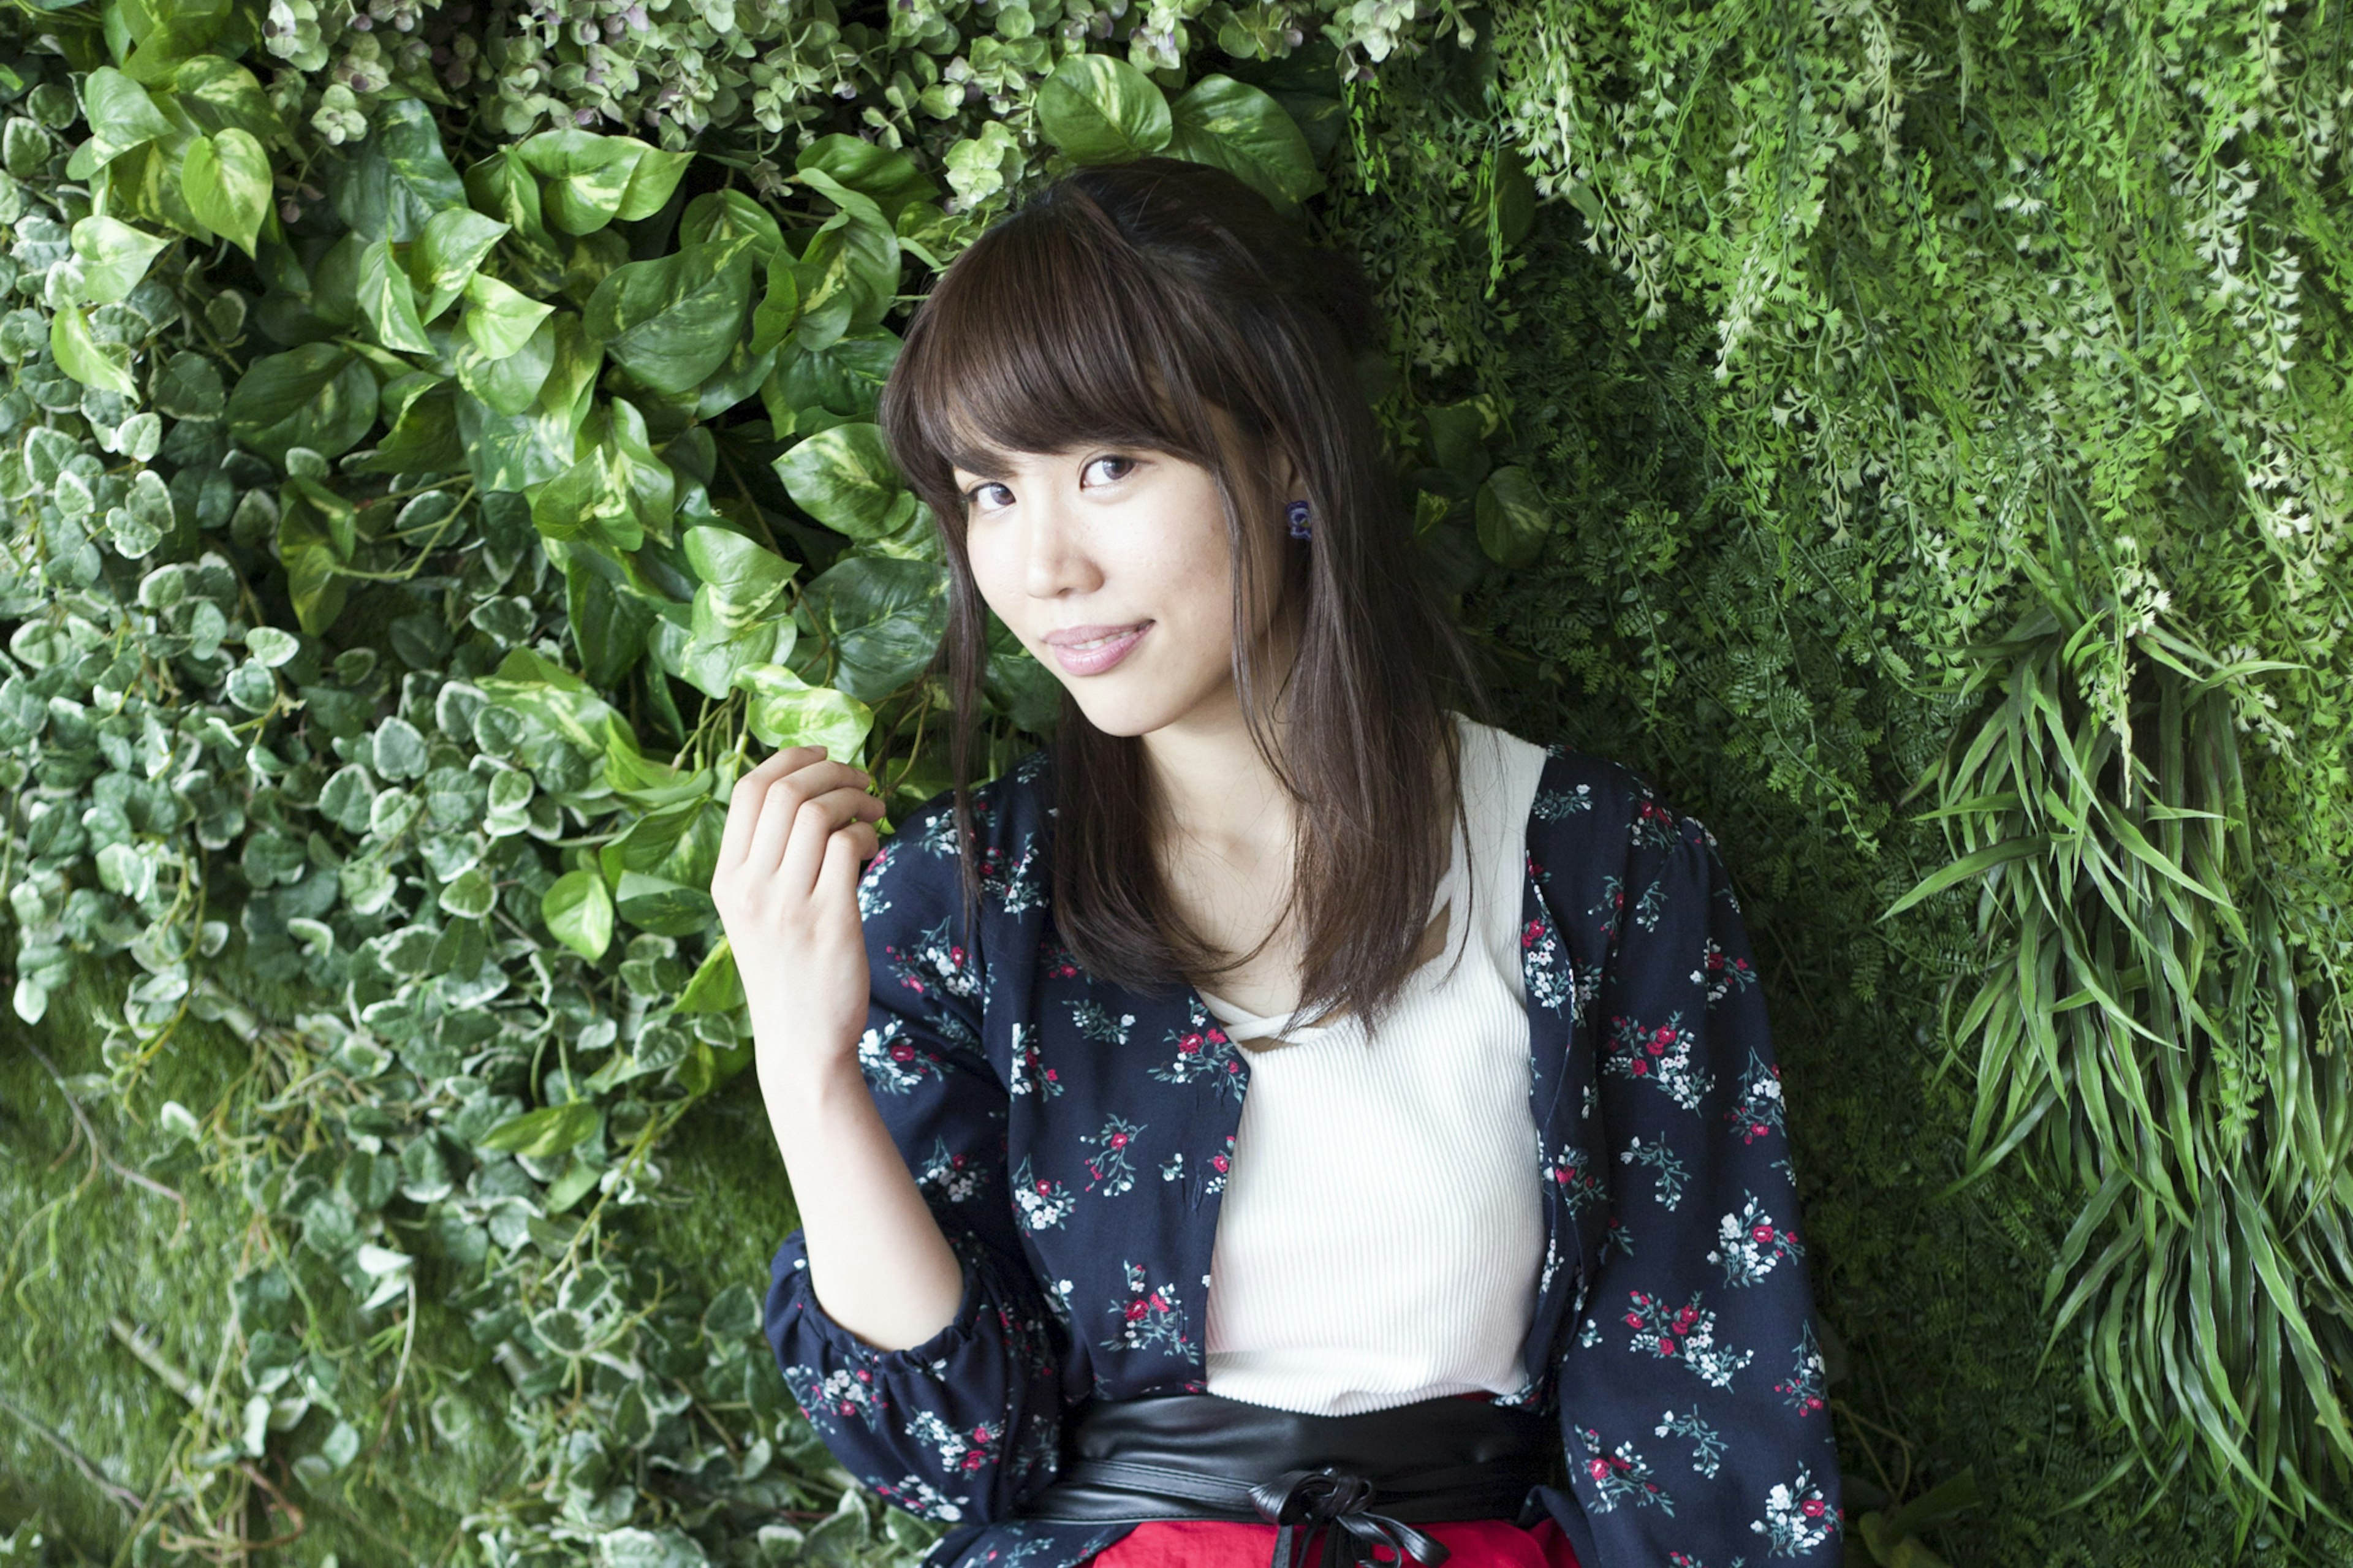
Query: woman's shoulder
{"type": "Point", "coordinates": [1570, 785]}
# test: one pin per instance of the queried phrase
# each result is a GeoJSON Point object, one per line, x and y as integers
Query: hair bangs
{"type": "Point", "coordinates": [1039, 339]}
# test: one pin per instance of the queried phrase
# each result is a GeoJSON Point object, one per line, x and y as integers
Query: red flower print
{"type": "Point", "coordinates": [1634, 1319]}
{"type": "Point", "coordinates": [1157, 1302]}
{"type": "Point", "coordinates": [1189, 1046]}
{"type": "Point", "coordinates": [1134, 1310]}
{"type": "Point", "coordinates": [1639, 1067]}
{"type": "Point", "coordinates": [1811, 1507]}
{"type": "Point", "coordinates": [1763, 1233]}
{"type": "Point", "coordinates": [903, 1053]}
{"type": "Point", "coordinates": [1119, 1140]}
{"type": "Point", "coordinates": [1218, 1161]}
{"type": "Point", "coordinates": [1052, 1074]}
{"type": "Point", "coordinates": [1666, 1345]}
{"type": "Point", "coordinates": [1601, 1468]}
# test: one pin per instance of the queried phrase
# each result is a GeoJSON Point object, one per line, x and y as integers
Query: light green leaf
{"type": "Point", "coordinates": [1240, 129]}
{"type": "Point", "coordinates": [589, 176]}
{"type": "Point", "coordinates": [452, 246]}
{"type": "Point", "coordinates": [122, 116]}
{"type": "Point", "coordinates": [742, 577]}
{"type": "Point", "coordinates": [226, 181]}
{"type": "Point", "coordinates": [1099, 109]}
{"type": "Point", "coordinates": [106, 366]}
{"type": "Point", "coordinates": [387, 301]}
{"type": "Point", "coordinates": [547, 1131]}
{"type": "Point", "coordinates": [844, 477]}
{"type": "Point", "coordinates": [786, 710]}
{"type": "Point", "coordinates": [114, 257]}
{"type": "Point", "coordinates": [651, 182]}
{"type": "Point", "coordinates": [501, 322]}
{"type": "Point", "coordinates": [221, 95]}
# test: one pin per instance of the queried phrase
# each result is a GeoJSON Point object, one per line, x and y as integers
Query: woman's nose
{"type": "Point", "coordinates": [1059, 561]}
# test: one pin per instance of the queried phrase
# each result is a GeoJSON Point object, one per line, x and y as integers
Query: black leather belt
{"type": "Point", "coordinates": [1202, 1456]}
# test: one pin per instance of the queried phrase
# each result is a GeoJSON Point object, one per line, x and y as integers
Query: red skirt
{"type": "Point", "coordinates": [1220, 1543]}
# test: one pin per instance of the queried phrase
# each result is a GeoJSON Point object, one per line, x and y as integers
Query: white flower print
{"type": "Point", "coordinates": [922, 1499]}
{"type": "Point", "coordinates": [1111, 1166]}
{"type": "Point", "coordinates": [1552, 804]}
{"type": "Point", "coordinates": [1653, 826]}
{"type": "Point", "coordinates": [1757, 1111]}
{"type": "Point", "coordinates": [1149, 1317]}
{"type": "Point", "coordinates": [871, 901]}
{"type": "Point", "coordinates": [1798, 1518]}
{"type": "Point", "coordinates": [893, 1066]}
{"type": "Point", "coordinates": [1621, 1475]}
{"type": "Point", "coordinates": [1667, 1184]}
{"type": "Point", "coordinates": [1803, 1387]}
{"type": "Point", "coordinates": [827, 1399]}
{"type": "Point", "coordinates": [936, 965]}
{"type": "Point", "coordinates": [1707, 1444]}
{"type": "Point", "coordinates": [1544, 967]}
{"type": "Point", "coordinates": [1578, 1184]}
{"type": "Point", "coordinates": [951, 1174]}
{"type": "Point", "coordinates": [1096, 1023]}
{"type": "Point", "coordinates": [1200, 1052]}
{"type": "Point", "coordinates": [1030, 1074]}
{"type": "Point", "coordinates": [1173, 1170]}
{"type": "Point", "coordinates": [1749, 1244]}
{"type": "Point", "coordinates": [1043, 1204]}
{"type": "Point", "coordinates": [1659, 1054]}
{"type": "Point", "coordinates": [970, 1450]}
{"type": "Point", "coordinates": [1015, 885]}
{"type": "Point", "coordinates": [1684, 1334]}
{"type": "Point", "coordinates": [1723, 975]}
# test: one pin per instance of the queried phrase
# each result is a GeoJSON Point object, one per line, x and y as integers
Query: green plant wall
{"type": "Point", "coordinates": [437, 444]}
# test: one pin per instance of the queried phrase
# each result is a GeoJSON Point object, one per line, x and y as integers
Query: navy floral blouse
{"type": "Point", "coordinates": [1072, 1138]}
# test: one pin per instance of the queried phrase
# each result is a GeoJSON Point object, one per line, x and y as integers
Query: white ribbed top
{"type": "Point", "coordinates": [1382, 1228]}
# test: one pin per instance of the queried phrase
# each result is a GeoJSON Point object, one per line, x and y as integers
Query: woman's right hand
{"type": "Point", "coordinates": [800, 827]}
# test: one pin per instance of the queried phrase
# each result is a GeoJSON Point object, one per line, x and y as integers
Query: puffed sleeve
{"type": "Point", "coordinates": [954, 1428]}
{"type": "Point", "coordinates": [1691, 1389]}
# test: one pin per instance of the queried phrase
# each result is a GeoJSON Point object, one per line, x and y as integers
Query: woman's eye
{"type": "Point", "coordinates": [971, 495]}
{"type": "Point", "coordinates": [1127, 466]}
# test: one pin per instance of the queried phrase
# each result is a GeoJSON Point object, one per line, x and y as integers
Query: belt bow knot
{"type": "Point", "coordinates": [1300, 1501]}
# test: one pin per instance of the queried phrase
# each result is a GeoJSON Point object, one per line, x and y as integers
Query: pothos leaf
{"type": "Point", "coordinates": [106, 366]}
{"type": "Point", "coordinates": [114, 257]}
{"type": "Point", "coordinates": [226, 180]}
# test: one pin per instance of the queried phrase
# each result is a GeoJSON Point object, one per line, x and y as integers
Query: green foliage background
{"type": "Point", "coordinates": [436, 443]}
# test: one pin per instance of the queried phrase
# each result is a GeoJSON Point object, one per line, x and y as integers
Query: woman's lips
{"type": "Point", "coordinates": [1095, 659]}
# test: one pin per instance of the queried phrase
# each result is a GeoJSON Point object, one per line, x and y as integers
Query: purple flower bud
{"type": "Point", "coordinates": [363, 24]}
{"type": "Point", "coordinates": [289, 211]}
{"type": "Point", "coordinates": [584, 117]}
{"type": "Point", "coordinates": [638, 22]}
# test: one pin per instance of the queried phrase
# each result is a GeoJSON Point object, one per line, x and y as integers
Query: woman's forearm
{"type": "Point", "coordinates": [878, 1263]}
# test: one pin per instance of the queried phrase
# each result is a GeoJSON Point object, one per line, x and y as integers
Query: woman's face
{"type": "Point", "coordinates": [1124, 548]}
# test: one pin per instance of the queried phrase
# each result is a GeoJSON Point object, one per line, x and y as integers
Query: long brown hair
{"type": "Point", "coordinates": [1118, 304]}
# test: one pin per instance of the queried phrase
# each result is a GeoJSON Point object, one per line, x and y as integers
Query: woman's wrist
{"type": "Point", "coordinates": [808, 1093]}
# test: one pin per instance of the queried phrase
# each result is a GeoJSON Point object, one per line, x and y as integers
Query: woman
{"type": "Point", "coordinates": [1438, 1051]}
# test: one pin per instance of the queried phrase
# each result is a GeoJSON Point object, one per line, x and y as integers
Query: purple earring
{"type": "Point", "coordinates": [1297, 511]}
